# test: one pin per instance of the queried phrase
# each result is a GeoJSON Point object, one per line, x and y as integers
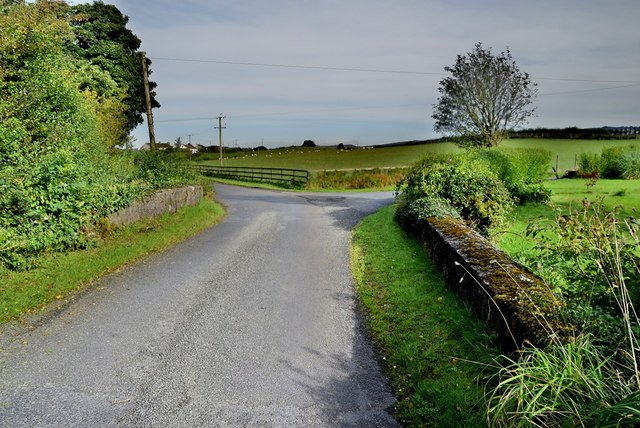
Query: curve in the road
{"type": "Point", "coordinates": [251, 323]}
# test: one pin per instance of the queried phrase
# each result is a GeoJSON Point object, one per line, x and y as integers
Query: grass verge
{"type": "Point", "coordinates": [425, 334]}
{"type": "Point", "coordinates": [60, 275]}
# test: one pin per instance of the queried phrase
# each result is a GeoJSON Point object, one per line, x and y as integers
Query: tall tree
{"type": "Point", "coordinates": [485, 95]}
{"type": "Point", "coordinates": [102, 37]}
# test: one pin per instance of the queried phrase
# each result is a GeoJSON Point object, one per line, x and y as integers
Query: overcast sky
{"type": "Point", "coordinates": [340, 69]}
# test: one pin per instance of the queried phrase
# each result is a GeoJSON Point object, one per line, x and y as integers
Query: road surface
{"type": "Point", "coordinates": [250, 323]}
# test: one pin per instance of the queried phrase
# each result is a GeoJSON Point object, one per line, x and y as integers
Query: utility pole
{"type": "Point", "coordinates": [190, 135]}
{"type": "Point", "coordinates": [147, 97]}
{"type": "Point", "coordinates": [219, 128]}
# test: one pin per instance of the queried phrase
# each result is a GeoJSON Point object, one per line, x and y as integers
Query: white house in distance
{"type": "Point", "coordinates": [159, 146]}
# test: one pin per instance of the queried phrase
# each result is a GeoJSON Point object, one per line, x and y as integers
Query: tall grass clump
{"type": "Point", "coordinates": [594, 378]}
{"type": "Point", "coordinates": [629, 164]}
{"type": "Point", "coordinates": [612, 162]}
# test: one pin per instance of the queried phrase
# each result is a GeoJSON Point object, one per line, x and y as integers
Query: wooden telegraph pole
{"type": "Point", "coordinates": [147, 97]}
{"type": "Point", "coordinates": [219, 128]}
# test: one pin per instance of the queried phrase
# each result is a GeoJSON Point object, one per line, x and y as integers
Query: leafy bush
{"type": "Point", "coordinates": [610, 161]}
{"type": "Point", "coordinates": [590, 165]}
{"type": "Point", "coordinates": [411, 213]}
{"type": "Point", "coordinates": [159, 169]}
{"type": "Point", "coordinates": [473, 191]}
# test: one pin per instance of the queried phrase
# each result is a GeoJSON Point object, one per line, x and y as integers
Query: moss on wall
{"type": "Point", "coordinates": [516, 304]}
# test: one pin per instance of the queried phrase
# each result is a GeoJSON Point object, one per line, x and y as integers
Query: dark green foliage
{"type": "Point", "coordinates": [103, 39]}
{"type": "Point", "coordinates": [467, 184]}
{"type": "Point", "coordinates": [570, 133]}
{"type": "Point", "coordinates": [410, 214]}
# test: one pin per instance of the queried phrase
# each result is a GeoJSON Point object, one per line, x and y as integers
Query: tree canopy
{"type": "Point", "coordinates": [485, 95]}
{"type": "Point", "coordinates": [63, 108]}
{"type": "Point", "coordinates": [103, 39]}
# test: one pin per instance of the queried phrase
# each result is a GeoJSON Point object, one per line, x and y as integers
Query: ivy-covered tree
{"type": "Point", "coordinates": [102, 38]}
{"type": "Point", "coordinates": [485, 95]}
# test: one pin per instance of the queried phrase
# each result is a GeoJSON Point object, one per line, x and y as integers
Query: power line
{"type": "Point", "coordinates": [308, 67]}
{"type": "Point", "coordinates": [577, 91]}
{"type": "Point", "coordinates": [370, 70]}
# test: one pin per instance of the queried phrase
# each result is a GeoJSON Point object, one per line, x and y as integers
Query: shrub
{"type": "Point", "coordinates": [610, 161]}
{"type": "Point", "coordinates": [410, 214]}
{"type": "Point", "coordinates": [160, 169]}
{"type": "Point", "coordinates": [468, 186]}
{"type": "Point", "coordinates": [590, 165]}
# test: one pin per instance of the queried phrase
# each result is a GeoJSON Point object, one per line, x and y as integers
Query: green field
{"type": "Point", "coordinates": [566, 152]}
{"type": "Point", "coordinates": [320, 158]}
{"type": "Point", "coordinates": [621, 194]}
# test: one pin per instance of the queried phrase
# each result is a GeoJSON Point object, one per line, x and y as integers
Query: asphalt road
{"type": "Point", "coordinates": [250, 323]}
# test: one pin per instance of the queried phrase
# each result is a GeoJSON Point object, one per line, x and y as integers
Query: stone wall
{"type": "Point", "coordinates": [514, 303]}
{"type": "Point", "coordinates": [156, 204]}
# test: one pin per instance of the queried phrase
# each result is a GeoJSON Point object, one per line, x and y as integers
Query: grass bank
{"type": "Point", "coordinates": [60, 275]}
{"type": "Point", "coordinates": [424, 332]}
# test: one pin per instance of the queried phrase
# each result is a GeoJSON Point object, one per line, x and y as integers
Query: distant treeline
{"type": "Point", "coordinates": [574, 133]}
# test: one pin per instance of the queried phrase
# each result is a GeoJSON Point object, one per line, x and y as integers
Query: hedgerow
{"type": "Point", "coordinates": [59, 172]}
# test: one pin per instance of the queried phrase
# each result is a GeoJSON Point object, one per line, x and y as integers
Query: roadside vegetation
{"type": "Point", "coordinates": [575, 235]}
{"type": "Point", "coordinates": [432, 345]}
{"type": "Point", "coordinates": [60, 275]}
{"type": "Point", "coordinates": [70, 92]}
{"type": "Point", "coordinates": [65, 108]}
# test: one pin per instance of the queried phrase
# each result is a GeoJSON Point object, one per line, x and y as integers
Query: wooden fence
{"type": "Point", "coordinates": [277, 175]}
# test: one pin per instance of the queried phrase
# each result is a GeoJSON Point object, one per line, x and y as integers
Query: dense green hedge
{"type": "Point", "coordinates": [59, 172]}
{"type": "Point", "coordinates": [479, 186]}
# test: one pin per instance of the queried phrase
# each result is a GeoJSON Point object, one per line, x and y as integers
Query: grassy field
{"type": "Point", "coordinates": [621, 194]}
{"type": "Point", "coordinates": [567, 151]}
{"type": "Point", "coordinates": [320, 158]}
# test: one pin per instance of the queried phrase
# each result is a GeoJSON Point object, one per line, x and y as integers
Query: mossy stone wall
{"type": "Point", "coordinates": [515, 304]}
